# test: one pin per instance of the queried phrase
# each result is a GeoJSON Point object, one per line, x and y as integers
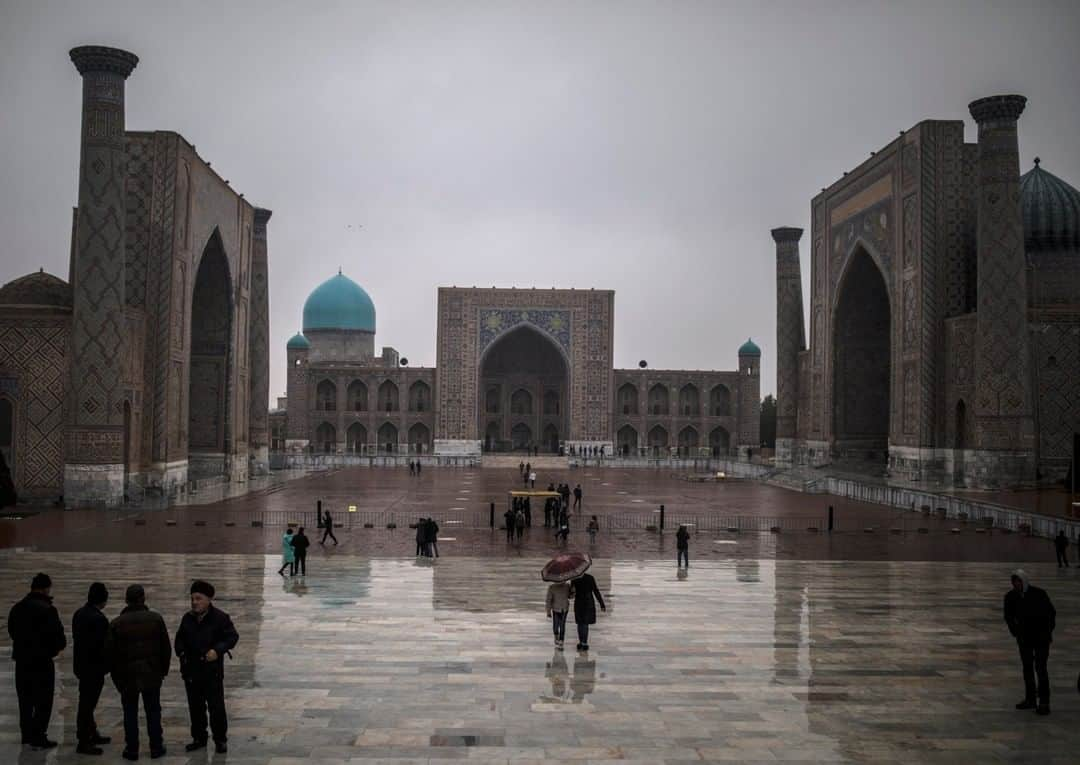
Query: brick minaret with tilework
{"type": "Point", "coordinates": [94, 449]}
{"type": "Point", "coordinates": [790, 338]}
{"type": "Point", "coordinates": [259, 349]}
{"type": "Point", "coordinates": [1004, 425]}
{"type": "Point", "coordinates": [749, 436]}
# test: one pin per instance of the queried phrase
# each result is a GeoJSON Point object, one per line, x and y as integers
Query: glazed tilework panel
{"type": "Point", "coordinates": [399, 661]}
{"type": "Point", "coordinates": [494, 322]}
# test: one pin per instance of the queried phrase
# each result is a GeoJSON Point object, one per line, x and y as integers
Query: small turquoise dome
{"type": "Point", "coordinates": [749, 348]}
{"type": "Point", "coordinates": [298, 343]}
{"type": "Point", "coordinates": [339, 303]}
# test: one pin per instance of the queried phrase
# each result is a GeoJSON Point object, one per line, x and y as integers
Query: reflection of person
{"type": "Point", "coordinates": [583, 591]}
{"type": "Point", "coordinates": [557, 673]}
{"type": "Point", "coordinates": [1031, 618]}
{"type": "Point", "coordinates": [37, 636]}
{"type": "Point", "coordinates": [584, 681]}
{"type": "Point", "coordinates": [205, 635]}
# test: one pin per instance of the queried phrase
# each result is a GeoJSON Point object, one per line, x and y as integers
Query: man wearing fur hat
{"type": "Point", "coordinates": [1031, 618]}
{"type": "Point", "coordinates": [205, 635]}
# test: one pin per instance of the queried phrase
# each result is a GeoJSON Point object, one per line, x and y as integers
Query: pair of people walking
{"type": "Point", "coordinates": [427, 538]}
{"type": "Point", "coordinates": [585, 594]}
{"type": "Point", "coordinates": [294, 549]}
{"type": "Point", "coordinates": [135, 650]}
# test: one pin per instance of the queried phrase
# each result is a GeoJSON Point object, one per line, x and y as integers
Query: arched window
{"type": "Point", "coordinates": [357, 396]}
{"type": "Point", "coordinates": [720, 401]}
{"type": "Point", "coordinates": [388, 437]}
{"type": "Point", "coordinates": [419, 398]}
{"type": "Point", "coordinates": [551, 404]}
{"type": "Point", "coordinates": [521, 402]}
{"type": "Point", "coordinates": [658, 438]}
{"type": "Point", "coordinates": [7, 432]}
{"type": "Point", "coordinates": [689, 404]}
{"type": "Point", "coordinates": [388, 398]}
{"type": "Point", "coordinates": [420, 438]}
{"type": "Point", "coordinates": [521, 436]}
{"type": "Point", "coordinates": [628, 399]}
{"type": "Point", "coordinates": [326, 438]}
{"type": "Point", "coordinates": [551, 438]}
{"type": "Point", "coordinates": [659, 400]}
{"type": "Point", "coordinates": [326, 396]}
{"type": "Point", "coordinates": [491, 400]}
{"type": "Point", "coordinates": [688, 438]}
{"type": "Point", "coordinates": [356, 437]}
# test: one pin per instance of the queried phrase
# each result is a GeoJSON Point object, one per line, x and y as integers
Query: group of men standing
{"type": "Point", "coordinates": [135, 650]}
{"type": "Point", "coordinates": [427, 538]}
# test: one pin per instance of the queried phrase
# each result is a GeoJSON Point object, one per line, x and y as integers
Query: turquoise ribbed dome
{"type": "Point", "coordinates": [339, 303]}
{"type": "Point", "coordinates": [749, 348]}
{"type": "Point", "coordinates": [298, 343]}
{"type": "Point", "coordinates": [1051, 212]}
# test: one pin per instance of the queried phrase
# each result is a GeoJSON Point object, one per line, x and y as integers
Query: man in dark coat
{"type": "Point", "coordinates": [205, 635]}
{"type": "Point", "coordinates": [577, 497]}
{"type": "Point", "coordinates": [508, 519]}
{"type": "Point", "coordinates": [583, 591]}
{"type": "Point", "coordinates": [432, 535]}
{"type": "Point", "coordinates": [37, 636]}
{"type": "Point", "coordinates": [138, 653]}
{"type": "Point", "coordinates": [300, 544]}
{"type": "Point", "coordinates": [328, 529]}
{"type": "Point", "coordinates": [89, 627]}
{"type": "Point", "coordinates": [1031, 618]}
{"type": "Point", "coordinates": [682, 544]}
{"type": "Point", "coordinates": [1061, 544]}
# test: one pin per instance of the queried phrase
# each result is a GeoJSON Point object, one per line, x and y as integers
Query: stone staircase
{"type": "Point", "coordinates": [805, 479]}
{"type": "Point", "coordinates": [511, 461]}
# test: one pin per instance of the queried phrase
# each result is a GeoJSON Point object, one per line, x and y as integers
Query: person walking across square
{"type": "Point", "coordinates": [206, 634]}
{"type": "Point", "coordinates": [583, 591]}
{"type": "Point", "coordinates": [139, 652]}
{"type": "Point", "coordinates": [37, 636]}
{"type": "Point", "coordinates": [328, 529]}
{"type": "Point", "coordinates": [557, 603]}
{"type": "Point", "coordinates": [89, 627]}
{"type": "Point", "coordinates": [577, 497]}
{"type": "Point", "coordinates": [288, 553]}
{"type": "Point", "coordinates": [1061, 545]}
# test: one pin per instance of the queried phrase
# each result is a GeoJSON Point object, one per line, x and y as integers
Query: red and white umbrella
{"type": "Point", "coordinates": [565, 567]}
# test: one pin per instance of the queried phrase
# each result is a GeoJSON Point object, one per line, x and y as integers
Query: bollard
{"type": "Point", "coordinates": [491, 515]}
{"type": "Point", "coordinates": [830, 518]}
{"type": "Point", "coordinates": [661, 517]}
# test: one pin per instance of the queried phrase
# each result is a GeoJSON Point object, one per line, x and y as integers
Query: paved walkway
{"type": "Point", "coordinates": [399, 661]}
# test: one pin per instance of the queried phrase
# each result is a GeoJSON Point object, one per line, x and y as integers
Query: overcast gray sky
{"type": "Point", "coordinates": [642, 147]}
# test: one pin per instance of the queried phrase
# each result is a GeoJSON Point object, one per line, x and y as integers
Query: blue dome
{"type": "Point", "coordinates": [339, 303]}
{"type": "Point", "coordinates": [298, 343]}
{"type": "Point", "coordinates": [749, 348]}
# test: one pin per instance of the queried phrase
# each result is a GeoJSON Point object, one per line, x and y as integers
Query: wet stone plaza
{"type": "Point", "coordinates": [794, 647]}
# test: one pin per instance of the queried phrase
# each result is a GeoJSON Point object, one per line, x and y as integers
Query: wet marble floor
{"type": "Point", "coordinates": [383, 660]}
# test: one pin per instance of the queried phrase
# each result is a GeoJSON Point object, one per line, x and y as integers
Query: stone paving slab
{"type": "Point", "coordinates": [393, 660]}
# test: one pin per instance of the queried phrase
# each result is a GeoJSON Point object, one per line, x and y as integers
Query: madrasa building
{"type": "Point", "coordinates": [944, 342]}
{"type": "Point", "coordinates": [148, 367]}
{"type": "Point", "coordinates": [517, 370]}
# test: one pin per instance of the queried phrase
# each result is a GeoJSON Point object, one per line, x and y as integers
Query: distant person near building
{"type": "Point", "coordinates": [1061, 545]}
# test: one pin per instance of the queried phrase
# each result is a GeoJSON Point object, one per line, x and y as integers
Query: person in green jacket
{"type": "Point", "coordinates": [288, 554]}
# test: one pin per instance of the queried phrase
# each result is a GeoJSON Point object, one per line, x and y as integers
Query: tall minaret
{"type": "Point", "coordinates": [790, 339]}
{"type": "Point", "coordinates": [95, 418]}
{"type": "Point", "coordinates": [259, 350]}
{"type": "Point", "coordinates": [1004, 422]}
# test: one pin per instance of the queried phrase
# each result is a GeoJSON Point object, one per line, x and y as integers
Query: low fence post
{"type": "Point", "coordinates": [830, 518]}
{"type": "Point", "coordinates": [491, 515]}
{"type": "Point", "coordinates": [661, 517]}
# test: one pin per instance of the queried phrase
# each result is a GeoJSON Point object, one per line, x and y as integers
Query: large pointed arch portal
{"type": "Point", "coordinates": [861, 362]}
{"type": "Point", "coordinates": [211, 356]}
{"type": "Point", "coordinates": [523, 365]}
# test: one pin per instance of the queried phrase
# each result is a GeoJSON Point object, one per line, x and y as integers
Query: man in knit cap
{"type": "Point", "coordinates": [205, 635]}
{"type": "Point", "coordinates": [37, 636]}
{"type": "Point", "coordinates": [89, 628]}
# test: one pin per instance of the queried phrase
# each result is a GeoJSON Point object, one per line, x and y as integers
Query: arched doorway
{"type": "Point", "coordinates": [627, 440]}
{"type": "Point", "coordinates": [7, 433]}
{"type": "Point", "coordinates": [688, 440]}
{"type": "Point", "coordinates": [209, 415]}
{"type": "Point", "coordinates": [388, 438]}
{"type": "Point", "coordinates": [356, 438]}
{"type": "Point", "coordinates": [520, 436]}
{"type": "Point", "coordinates": [524, 383]}
{"type": "Point", "coordinates": [551, 438]}
{"type": "Point", "coordinates": [861, 363]}
{"type": "Point", "coordinates": [719, 442]}
{"type": "Point", "coordinates": [420, 438]}
{"type": "Point", "coordinates": [658, 441]}
{"type": "Point", "coordinates": [326, 438]}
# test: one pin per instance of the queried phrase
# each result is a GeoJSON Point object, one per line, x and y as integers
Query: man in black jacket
{"type": "Point", "coordinates": [205, 635]}
{"type": "Point", "coordinates": [300, 544]}
{"type": "Point", "coordinates": [37, 636]}
{"type": "Point", "coordinates": [138, 653]}
{"type": "Point", "coordinates": [89, 627]}
{"type": "Point", "coordinates": [1031, 618]}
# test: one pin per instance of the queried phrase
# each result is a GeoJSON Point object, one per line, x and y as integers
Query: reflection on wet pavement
{"type": "Point", "coordinates": [395, 660]}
